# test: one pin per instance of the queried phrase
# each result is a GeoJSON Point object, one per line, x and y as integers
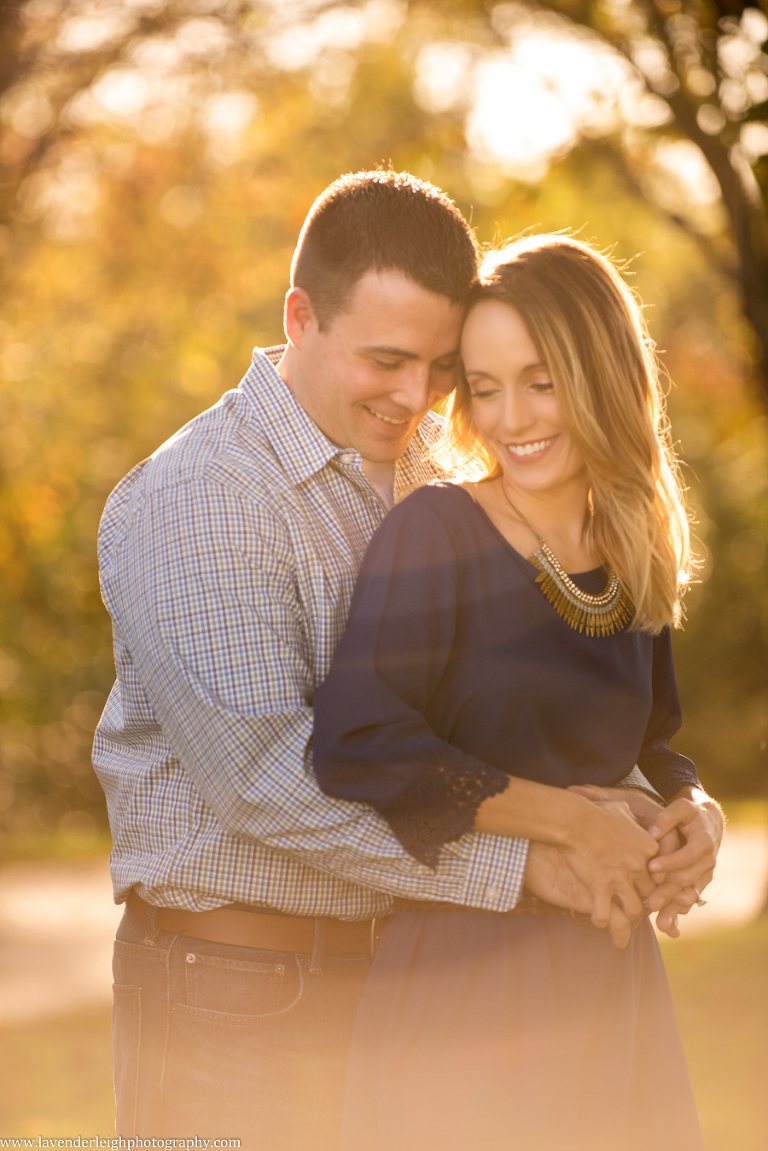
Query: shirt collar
{"type": "Point", "coordinates": [301, 448]}
{"type": "Point", "coordinates": [299, 445]}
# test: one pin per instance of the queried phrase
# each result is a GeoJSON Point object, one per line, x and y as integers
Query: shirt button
{"type": "Point", "coordinates": [347, 457]}
{"type": "Point", "coordinates": [491, 893]}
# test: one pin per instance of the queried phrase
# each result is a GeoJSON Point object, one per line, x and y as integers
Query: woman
{"type": "Point", "coordinates": [476, 683]}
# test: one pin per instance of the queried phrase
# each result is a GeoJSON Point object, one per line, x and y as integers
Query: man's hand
{"type": "Point", "coordinates": [549, 875]}
{"type": "Point", "coordinates": [609, 852]}
{"type": "Point", "coordinates": [667, 899]}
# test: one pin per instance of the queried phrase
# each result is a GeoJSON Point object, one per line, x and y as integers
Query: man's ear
{"type": "Point", "coordinates": [298, 316]}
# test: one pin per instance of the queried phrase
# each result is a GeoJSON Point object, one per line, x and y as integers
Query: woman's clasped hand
{"type": "Point", "coordinates": [604, 847]}
{"type": "Point", "coordinates": [688, 831]}
{"type": "Point", "coordinates": [610, 853]}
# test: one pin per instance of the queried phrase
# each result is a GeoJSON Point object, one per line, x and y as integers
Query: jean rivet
{"type": "Point", "coordinates": [190, 957]}
{"type": "Point", "coordinates": [279, 968]}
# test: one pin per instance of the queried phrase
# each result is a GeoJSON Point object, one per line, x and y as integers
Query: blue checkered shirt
{"type": "Point", "coordinates": [228, 560]}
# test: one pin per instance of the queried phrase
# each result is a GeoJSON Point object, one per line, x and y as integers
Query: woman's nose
{"type": "Point", "coordinates": [516, 416]}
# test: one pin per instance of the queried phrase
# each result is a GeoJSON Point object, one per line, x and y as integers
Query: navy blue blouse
{"type": "Point", "coordinates": [455, 672]}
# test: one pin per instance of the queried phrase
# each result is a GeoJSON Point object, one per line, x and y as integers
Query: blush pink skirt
{"type": "Point", "coordinates": [482, 1032]}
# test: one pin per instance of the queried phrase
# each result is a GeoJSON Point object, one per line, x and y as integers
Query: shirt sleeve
{"type": "Point", "coordinates": [666, 769]}
{"type": "Point", "coordinates": [208, 604]}
{"type": "Point", "coordinates": [372, 738]}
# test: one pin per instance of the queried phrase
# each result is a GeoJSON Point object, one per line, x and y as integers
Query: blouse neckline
{"type": "Point", "coordinates": [517, 554]}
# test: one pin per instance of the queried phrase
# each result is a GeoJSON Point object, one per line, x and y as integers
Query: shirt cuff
{"type": "Point", "coordinates": [494, 877]}
{"type": "Point", "coordinates": [637, 780]}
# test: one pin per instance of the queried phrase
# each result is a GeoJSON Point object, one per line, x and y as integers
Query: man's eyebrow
{"type": "Point", "coordinates": [386, 350]}
{"type": "Point", "coordinates": [401, 353]}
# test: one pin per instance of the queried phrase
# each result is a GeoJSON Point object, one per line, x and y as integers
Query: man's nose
{"type": "Point", "coordinates": [414, 391]}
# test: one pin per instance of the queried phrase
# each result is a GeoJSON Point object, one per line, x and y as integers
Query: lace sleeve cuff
{"type": "Point", "coordinates": [440, 805]}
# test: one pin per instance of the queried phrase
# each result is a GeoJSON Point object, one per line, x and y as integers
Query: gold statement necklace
{"type": "Point", "coordinates": [601, 614]}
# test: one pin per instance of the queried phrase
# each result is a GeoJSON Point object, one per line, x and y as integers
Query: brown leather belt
{"type": "Point", "coordinates": [268, 932]}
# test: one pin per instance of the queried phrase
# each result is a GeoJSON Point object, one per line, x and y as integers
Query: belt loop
{"type": "Point", "coordinates": [318, 951]}
{"type": "Point", "coordinates": [150, 927]}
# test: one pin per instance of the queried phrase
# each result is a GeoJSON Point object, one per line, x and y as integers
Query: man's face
{"type": "Point", "coordinates": [371, 376]}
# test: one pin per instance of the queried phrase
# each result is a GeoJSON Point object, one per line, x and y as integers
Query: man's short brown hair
{"type": "Point", "coordinates": [378, 221]}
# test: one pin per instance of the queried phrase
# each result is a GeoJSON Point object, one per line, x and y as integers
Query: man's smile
{"type": "Point", "coordinates": [386, 419]}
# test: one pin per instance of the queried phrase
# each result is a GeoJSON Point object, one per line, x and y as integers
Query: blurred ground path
{"type": "Point", "coordinates": [57, 921]}
{"type": "Point", "coordinates": [740, 887]}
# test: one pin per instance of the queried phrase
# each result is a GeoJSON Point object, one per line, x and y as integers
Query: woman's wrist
{"type": "Point", "coordinates": [579, 829]}
{"type": "Point", "coordinates": [536, 811]}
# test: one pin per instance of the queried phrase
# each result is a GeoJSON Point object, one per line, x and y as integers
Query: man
{"type": "Point", "coordinates": [227, 564]}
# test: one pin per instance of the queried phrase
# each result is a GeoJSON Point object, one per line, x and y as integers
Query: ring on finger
{"type": "Point", "coordinates": [699, 901]}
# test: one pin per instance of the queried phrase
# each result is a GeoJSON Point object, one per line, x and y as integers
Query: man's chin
{"type": "Point", "coordinates": [385, 449]}
{"type": "Point", "coordinates": [390, 454]}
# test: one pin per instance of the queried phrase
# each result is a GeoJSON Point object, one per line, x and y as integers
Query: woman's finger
{"type": "Point", "coordinates": [683, 870]}
{"type": "Point", "coordinates": [630, 902]}
{"type": "Point", "coordinates": [601, 908]}
{"type": "Point", "coordinates": [687, 856]}
{"type": "Point", "coordinates": [666, 922]}
{"type": "Point", "coordinates": [619, 928]}
{"type": "Point", "coordinates": [662, 895]}
{"type": "Point", "coordinates": [645, 885]}
{"type": "Point", "coordinates": [680, 904]}
{"type": "Point", "coordinates": [695, 878]}
{"type": "Point", "coordinates": [686, 899]}
{"type": "Point", "coordinates": [695, 871]}
{"type": "Point", "coordinates": [670, 842]}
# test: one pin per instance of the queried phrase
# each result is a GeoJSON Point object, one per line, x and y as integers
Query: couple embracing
{"type": "Point", "coordinates": [387, 887]}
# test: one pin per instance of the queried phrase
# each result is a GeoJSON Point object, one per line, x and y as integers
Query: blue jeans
{"type": "Point", "coordinates": [230, 1042]}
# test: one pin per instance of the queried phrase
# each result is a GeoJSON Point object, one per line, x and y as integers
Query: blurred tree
{"type": "Point", "coordinates": [704, 70]}
{"type": "Point", "coordinates": [707, 62]}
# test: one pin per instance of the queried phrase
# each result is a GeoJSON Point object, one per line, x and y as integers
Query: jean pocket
{"type": "Point", "coordinates": [236, 986]}
{"type": "Point", "coordinates": [126, 1046]}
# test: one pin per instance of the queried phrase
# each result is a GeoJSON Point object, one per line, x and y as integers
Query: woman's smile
{"type": "Point", "coordinates": [531, 449]}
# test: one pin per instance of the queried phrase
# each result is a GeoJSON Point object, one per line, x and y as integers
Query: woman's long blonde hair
{"type": "Point", "coordinates": [590, 332]}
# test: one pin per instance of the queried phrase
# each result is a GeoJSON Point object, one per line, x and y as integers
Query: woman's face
{"type": "Point", "coordinates": [514, 406]}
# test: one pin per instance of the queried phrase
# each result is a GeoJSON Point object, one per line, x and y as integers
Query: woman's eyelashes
{"type": "Point", "coordinates": [539, 387]}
